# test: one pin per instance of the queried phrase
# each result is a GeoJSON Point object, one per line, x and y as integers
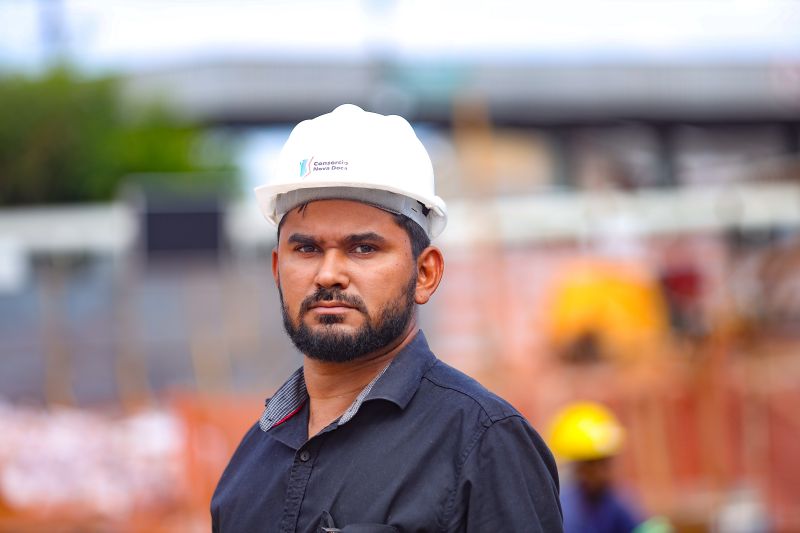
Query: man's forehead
{"type": "Point", "coordinates": [343, 211]}
{"type": "Point", "coordinates": [338, 215]}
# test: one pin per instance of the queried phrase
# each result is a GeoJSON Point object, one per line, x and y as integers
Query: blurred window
{"type": "Point", "coordinates": [618, 157]}
{"type": "Point", "coordinates": [725, 154]}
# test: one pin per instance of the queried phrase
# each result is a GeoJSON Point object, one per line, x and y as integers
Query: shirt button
{"type": "Point", "coordinates": [305, 456]}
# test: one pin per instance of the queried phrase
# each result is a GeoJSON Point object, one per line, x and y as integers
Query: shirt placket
{"type": "Point", "coordinates": [299, 477]}
{"type": "Point", "coordinates": [305, 456]}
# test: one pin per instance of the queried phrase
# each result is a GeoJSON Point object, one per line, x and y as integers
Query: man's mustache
{"type": "Point", "coordinates": [323, 294]}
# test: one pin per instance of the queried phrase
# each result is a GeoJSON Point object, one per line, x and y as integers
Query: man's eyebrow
{"type": "Point", "coordinates": [300, 238]}
{"type": "Point", "coordinates": [369, 236]}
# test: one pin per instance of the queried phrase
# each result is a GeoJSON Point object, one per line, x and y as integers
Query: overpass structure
{"type": "Point", "coordinates": [515, 93]}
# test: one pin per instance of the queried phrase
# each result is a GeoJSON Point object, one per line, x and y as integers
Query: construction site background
{"type": "Point", "coordinates": [623, 229]}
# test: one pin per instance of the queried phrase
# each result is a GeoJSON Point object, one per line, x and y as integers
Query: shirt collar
{"type": "Point", "coordinates": [397, 383]}
{"type": "Point", "coordinates": [401, 379]}
{"type": "Point", "coordinates": [286, 401]}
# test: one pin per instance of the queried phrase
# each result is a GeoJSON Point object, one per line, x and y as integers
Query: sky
{"type": "Point", "coordinates": [134, 34]}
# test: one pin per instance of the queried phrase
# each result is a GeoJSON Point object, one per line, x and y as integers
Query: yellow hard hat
{"type": "Point", "coordinates": [584, 431]}
{"type": "Point", "coordinates": [617, 302]}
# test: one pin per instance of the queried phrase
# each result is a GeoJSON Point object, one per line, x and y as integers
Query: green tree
{"type": "Point", "coordinates": [66, 139]}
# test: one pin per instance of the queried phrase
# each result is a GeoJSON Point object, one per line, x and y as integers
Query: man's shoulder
{"type": "Point", "coordinates": [463, 390]}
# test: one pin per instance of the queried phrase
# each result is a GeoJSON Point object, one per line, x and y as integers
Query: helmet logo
{"type": "Point", "coordinates": [305, 167]}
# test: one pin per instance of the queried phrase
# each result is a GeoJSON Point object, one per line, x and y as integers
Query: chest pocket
{"type": "Point", "coordinates": [362, 528]}
{"type": "Point", "coordinates": [326, 525]}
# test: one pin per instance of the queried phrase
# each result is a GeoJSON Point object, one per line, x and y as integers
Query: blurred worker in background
{"type": "Point", "coordinates": [588, 436]}
{"type": "Point", "coordinates": [373, 433]}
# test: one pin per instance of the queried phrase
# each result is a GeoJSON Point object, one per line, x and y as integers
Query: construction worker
{"type": "Point", "coordinates": [373, 433]}
{"type": "Point", "coordinates": [587, 436]}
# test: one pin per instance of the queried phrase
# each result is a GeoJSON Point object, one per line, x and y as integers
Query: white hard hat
{"type": "Point", "coordinates": [353, 154]}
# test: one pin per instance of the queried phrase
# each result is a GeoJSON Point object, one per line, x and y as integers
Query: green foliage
{"type": "Point", "coordinates": [64, 139]}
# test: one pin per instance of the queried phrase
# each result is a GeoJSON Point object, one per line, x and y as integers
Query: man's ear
{"type": "Point", "coordinates": [430, 269]}
{"type": "Point", "coordinates": [275, 275]}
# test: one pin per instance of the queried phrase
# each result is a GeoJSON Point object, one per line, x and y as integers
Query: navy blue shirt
{"type": "Point", "coordinates": [423, 448]}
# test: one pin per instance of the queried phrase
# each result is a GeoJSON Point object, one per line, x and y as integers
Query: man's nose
{"type": "Point", "coordinates": [332, 270]}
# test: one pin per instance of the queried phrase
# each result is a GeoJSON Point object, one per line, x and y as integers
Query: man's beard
{"type": "Point", "coordinates": [331, 345]}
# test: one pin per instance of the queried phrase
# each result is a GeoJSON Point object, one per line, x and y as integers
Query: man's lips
{"type": "Point", "coordinates": [331, 307]}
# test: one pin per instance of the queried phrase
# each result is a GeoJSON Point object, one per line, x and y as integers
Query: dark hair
{"type": "Point", "coordinates": [419, 239]}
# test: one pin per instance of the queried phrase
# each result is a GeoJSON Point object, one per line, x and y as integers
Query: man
{"type": "Point", "coordinates": [373, 433]}
{"type": "Point", "coordinates": [588, 436]}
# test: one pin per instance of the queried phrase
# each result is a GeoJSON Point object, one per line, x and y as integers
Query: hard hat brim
{"type": "Point", "coordinates": [266, 196]}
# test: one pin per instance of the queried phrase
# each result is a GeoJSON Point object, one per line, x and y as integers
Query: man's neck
{"type": "Point", "coordinates": [333, 387]}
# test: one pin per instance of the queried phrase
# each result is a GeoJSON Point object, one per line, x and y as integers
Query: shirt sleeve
{"type": "Point", "coordinates": [508, 482]}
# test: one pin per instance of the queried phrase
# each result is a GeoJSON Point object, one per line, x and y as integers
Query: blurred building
{"type": "Point", "coordinates": [673, 179]}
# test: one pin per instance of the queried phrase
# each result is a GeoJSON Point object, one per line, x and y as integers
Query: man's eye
{"type": "Point", "coordinates": [364, 249]}
{"type": "Point", "coordinates": [306, 249]}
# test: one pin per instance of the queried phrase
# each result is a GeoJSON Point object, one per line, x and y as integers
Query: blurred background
{"type": "Point", "coordinates": [623, 180]}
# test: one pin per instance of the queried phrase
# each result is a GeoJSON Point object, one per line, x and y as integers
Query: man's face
{"type": "Point", "coordinates": [594, 476]}
{"type": "Point", "coordinates": [346, 277]}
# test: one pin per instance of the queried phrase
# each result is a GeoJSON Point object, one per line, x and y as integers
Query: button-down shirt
{"type": "Point", "coordinates": [422, 448]}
